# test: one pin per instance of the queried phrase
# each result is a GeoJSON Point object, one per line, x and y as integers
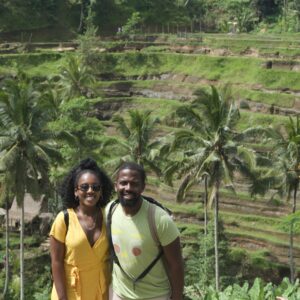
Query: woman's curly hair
{"type": "Point", "coordinates": [69, 183]}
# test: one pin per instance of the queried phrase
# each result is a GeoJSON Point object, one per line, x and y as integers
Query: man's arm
{"type": "Point", "coordinates": [57, 251]}
{"type": "Point", "coordinates": [174, 265]}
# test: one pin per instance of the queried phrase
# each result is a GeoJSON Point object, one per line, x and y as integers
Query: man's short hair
{"type": "Point", "coordinates": [135, 167]}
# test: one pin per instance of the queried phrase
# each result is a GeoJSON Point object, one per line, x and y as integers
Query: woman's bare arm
{"type": "Point", "coordinates": [57, 251]}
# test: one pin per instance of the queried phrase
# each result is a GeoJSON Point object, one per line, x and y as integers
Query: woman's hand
{"type": "Point", "coordinates": [57, 251]}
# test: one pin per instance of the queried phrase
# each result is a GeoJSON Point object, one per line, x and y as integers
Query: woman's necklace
{"type": "Point", "coordinates": [90, 225]}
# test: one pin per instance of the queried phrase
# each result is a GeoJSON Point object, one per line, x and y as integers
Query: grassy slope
{"type": "Point", "coordinates": [245, 72]}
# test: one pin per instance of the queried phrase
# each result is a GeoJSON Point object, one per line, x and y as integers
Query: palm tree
{"type": "Point", "coordinates": [25, 146]}
{"type": "Point", "coordinates": [76, 78]}
{"type": "Point", "coordinates": [287, 160]}
{"type": "Point", "coordinates": [138, 132]}
{"type": "Point", "coordinates": [72, 122]}
{"type": "Point", "coordinates": [79, 134]}
{"type": "Point", "coordinates": [209, 145]}
{"type": "Point", "coordinates": [286, 152]}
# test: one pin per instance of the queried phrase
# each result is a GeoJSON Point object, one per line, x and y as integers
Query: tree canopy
{"type": "Point", "coordinates": [155, 15]}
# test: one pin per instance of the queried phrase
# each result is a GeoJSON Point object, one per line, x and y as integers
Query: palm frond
{"type": "Point", "coordinates": [190, 117]}
{"type": "Point", "coordinates": [121, 126]}
{"type": "Point", "coordinates": [180, 195]}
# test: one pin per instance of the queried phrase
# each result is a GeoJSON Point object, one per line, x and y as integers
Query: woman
{"type": "Point", "coordinates": [79, 251]}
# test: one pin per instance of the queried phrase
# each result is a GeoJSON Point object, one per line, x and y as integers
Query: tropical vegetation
{"type": "Point", "coordinates": [154, 94]}
{"type": "Point", "coordinates": [143, 16]}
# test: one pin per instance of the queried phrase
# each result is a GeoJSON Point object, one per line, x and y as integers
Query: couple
{"type": "Point", "coordinates": [79, 243]}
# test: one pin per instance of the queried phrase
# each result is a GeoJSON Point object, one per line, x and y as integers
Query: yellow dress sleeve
{"type": "Point", "coordinates": [59, 229]}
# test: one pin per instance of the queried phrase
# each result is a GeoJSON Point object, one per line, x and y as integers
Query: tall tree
{"type": "Point", "coordinates": [25, 147]}
{"type": "Point", "coordinates": [209, 144]}
{"type": "Point", "coordinates": [73, 121]}
{"type": "Point", "coordinates": [287, 161]}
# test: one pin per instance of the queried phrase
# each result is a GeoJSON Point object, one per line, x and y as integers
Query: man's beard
{"type": "Point", "coordinates": [129, 203]}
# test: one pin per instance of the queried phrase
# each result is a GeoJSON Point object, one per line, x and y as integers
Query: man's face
{"type": "Point", "coordinates": [129, 187]}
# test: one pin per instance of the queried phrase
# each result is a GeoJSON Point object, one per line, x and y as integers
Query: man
{"type": "Point", "coordinates": [135, 247]}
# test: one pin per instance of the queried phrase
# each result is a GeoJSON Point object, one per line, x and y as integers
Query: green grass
{"type": "Point", "coordinates": [14, 240]}
{"type": "Point", "coordinates": [234, 70]}
{"type": "Point", "coordinates": [194, 209]}
{"type": "Point", "coordinates": [29, 59]}
{"type": "Point", "coordinates": [275, 98]}
{"type": "Point", "coordinates": [241, 220]}
{"type": "Point", "coordinates": [252, 40]}
{"type": "Point", "coordinates": [189, 230]}
{"type": "Point", "coordinates": [249, 119]}
{"type": "Point", "coordinates": [45, 69]}
{"type": "Point", "coordinates": [192, 230]}
{"type": "Point", "coordinates": [267, 223]}
{"type": "Point", "coordinates": [270, 98]}
{"type": "Point", "coordinates": [160, 108]}
{"type": "Point", "coordinates": [240, 71]}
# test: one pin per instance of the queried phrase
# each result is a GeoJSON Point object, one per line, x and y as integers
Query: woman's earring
{"type": "Point", "coordinates": [77, 199]}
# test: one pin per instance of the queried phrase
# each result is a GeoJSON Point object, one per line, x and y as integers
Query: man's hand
{"type": "Point", "coordinates": [174, 262]}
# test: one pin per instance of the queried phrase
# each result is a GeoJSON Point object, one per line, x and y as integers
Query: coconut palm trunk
{"type": "Point", "coordinates": [291, 238]}
{"type": "Point", "coordinates": [291, 246]}
{"type": "Point", "coordinates": [22, 250]}
{"type": "Point", "coordinates": [7, 270]}
{"type": "Point", "coordinates": [205, 201]}
{"type": "Point", "coordinates": [205, 205]}
{"type": "Point", "coordinates": [216, 229]}
{"type": "Point", "coordinates": [295, 197]}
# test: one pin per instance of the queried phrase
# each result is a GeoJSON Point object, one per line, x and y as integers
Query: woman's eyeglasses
{"type": "Point", "coordinates": [85, 187]}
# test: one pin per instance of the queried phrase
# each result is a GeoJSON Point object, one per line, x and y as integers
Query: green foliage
{"type": "Point", "coordinates": [88, 41]}
{"type": "Point", "coordinates": [291, 219]}
{"type": "Point", "coordinates": [73, 112]}
{"type": "Point", "coordinates": [28, 60]}
{"type": "Point", "coordinates": [14, 291]}
{"type": "Point", "coordinates": [240, 16]}
{"type": "Point", "coordinates": [131, 25]}
{"type": "Point", "coordinates": [230, 70]}
{"type": "Point", "coordinates": [14, 14]}
{"type": "Point", "coordinates": [26, 145]}
{"type": "Point", "coordinates": [205, 142]}
{"type": "Point", "coordinates": [42, 287]}
{"type": "Point", "coordinates": [83, 132]}
{"type": "Point", "coordinates": [76, 78]}
{"type": "Point", "coordinates": [200, 268]}
{"type": "Point", "coordinates": [138, 144]}
{"type": "Point", "coordinates": [258, 291]}
{"type": "Point", "coordinates": [70, 16]}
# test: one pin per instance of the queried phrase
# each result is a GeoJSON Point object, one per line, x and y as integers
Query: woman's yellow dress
{"type": "Point", "coordinates": [86, 268]}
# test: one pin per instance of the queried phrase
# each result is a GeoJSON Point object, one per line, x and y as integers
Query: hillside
{"type": "Point", "coordinates": [162, 75]}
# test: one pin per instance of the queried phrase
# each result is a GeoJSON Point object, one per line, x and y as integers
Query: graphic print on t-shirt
{"type": "Point", "coordinates": [127, 246]}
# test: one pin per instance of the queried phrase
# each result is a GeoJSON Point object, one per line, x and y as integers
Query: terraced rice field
{"type": "Point", "coordinates": [263, 73]}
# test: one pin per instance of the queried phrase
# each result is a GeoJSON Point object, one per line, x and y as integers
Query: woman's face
{"type": "Point", "coordinates": [88, 190]}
